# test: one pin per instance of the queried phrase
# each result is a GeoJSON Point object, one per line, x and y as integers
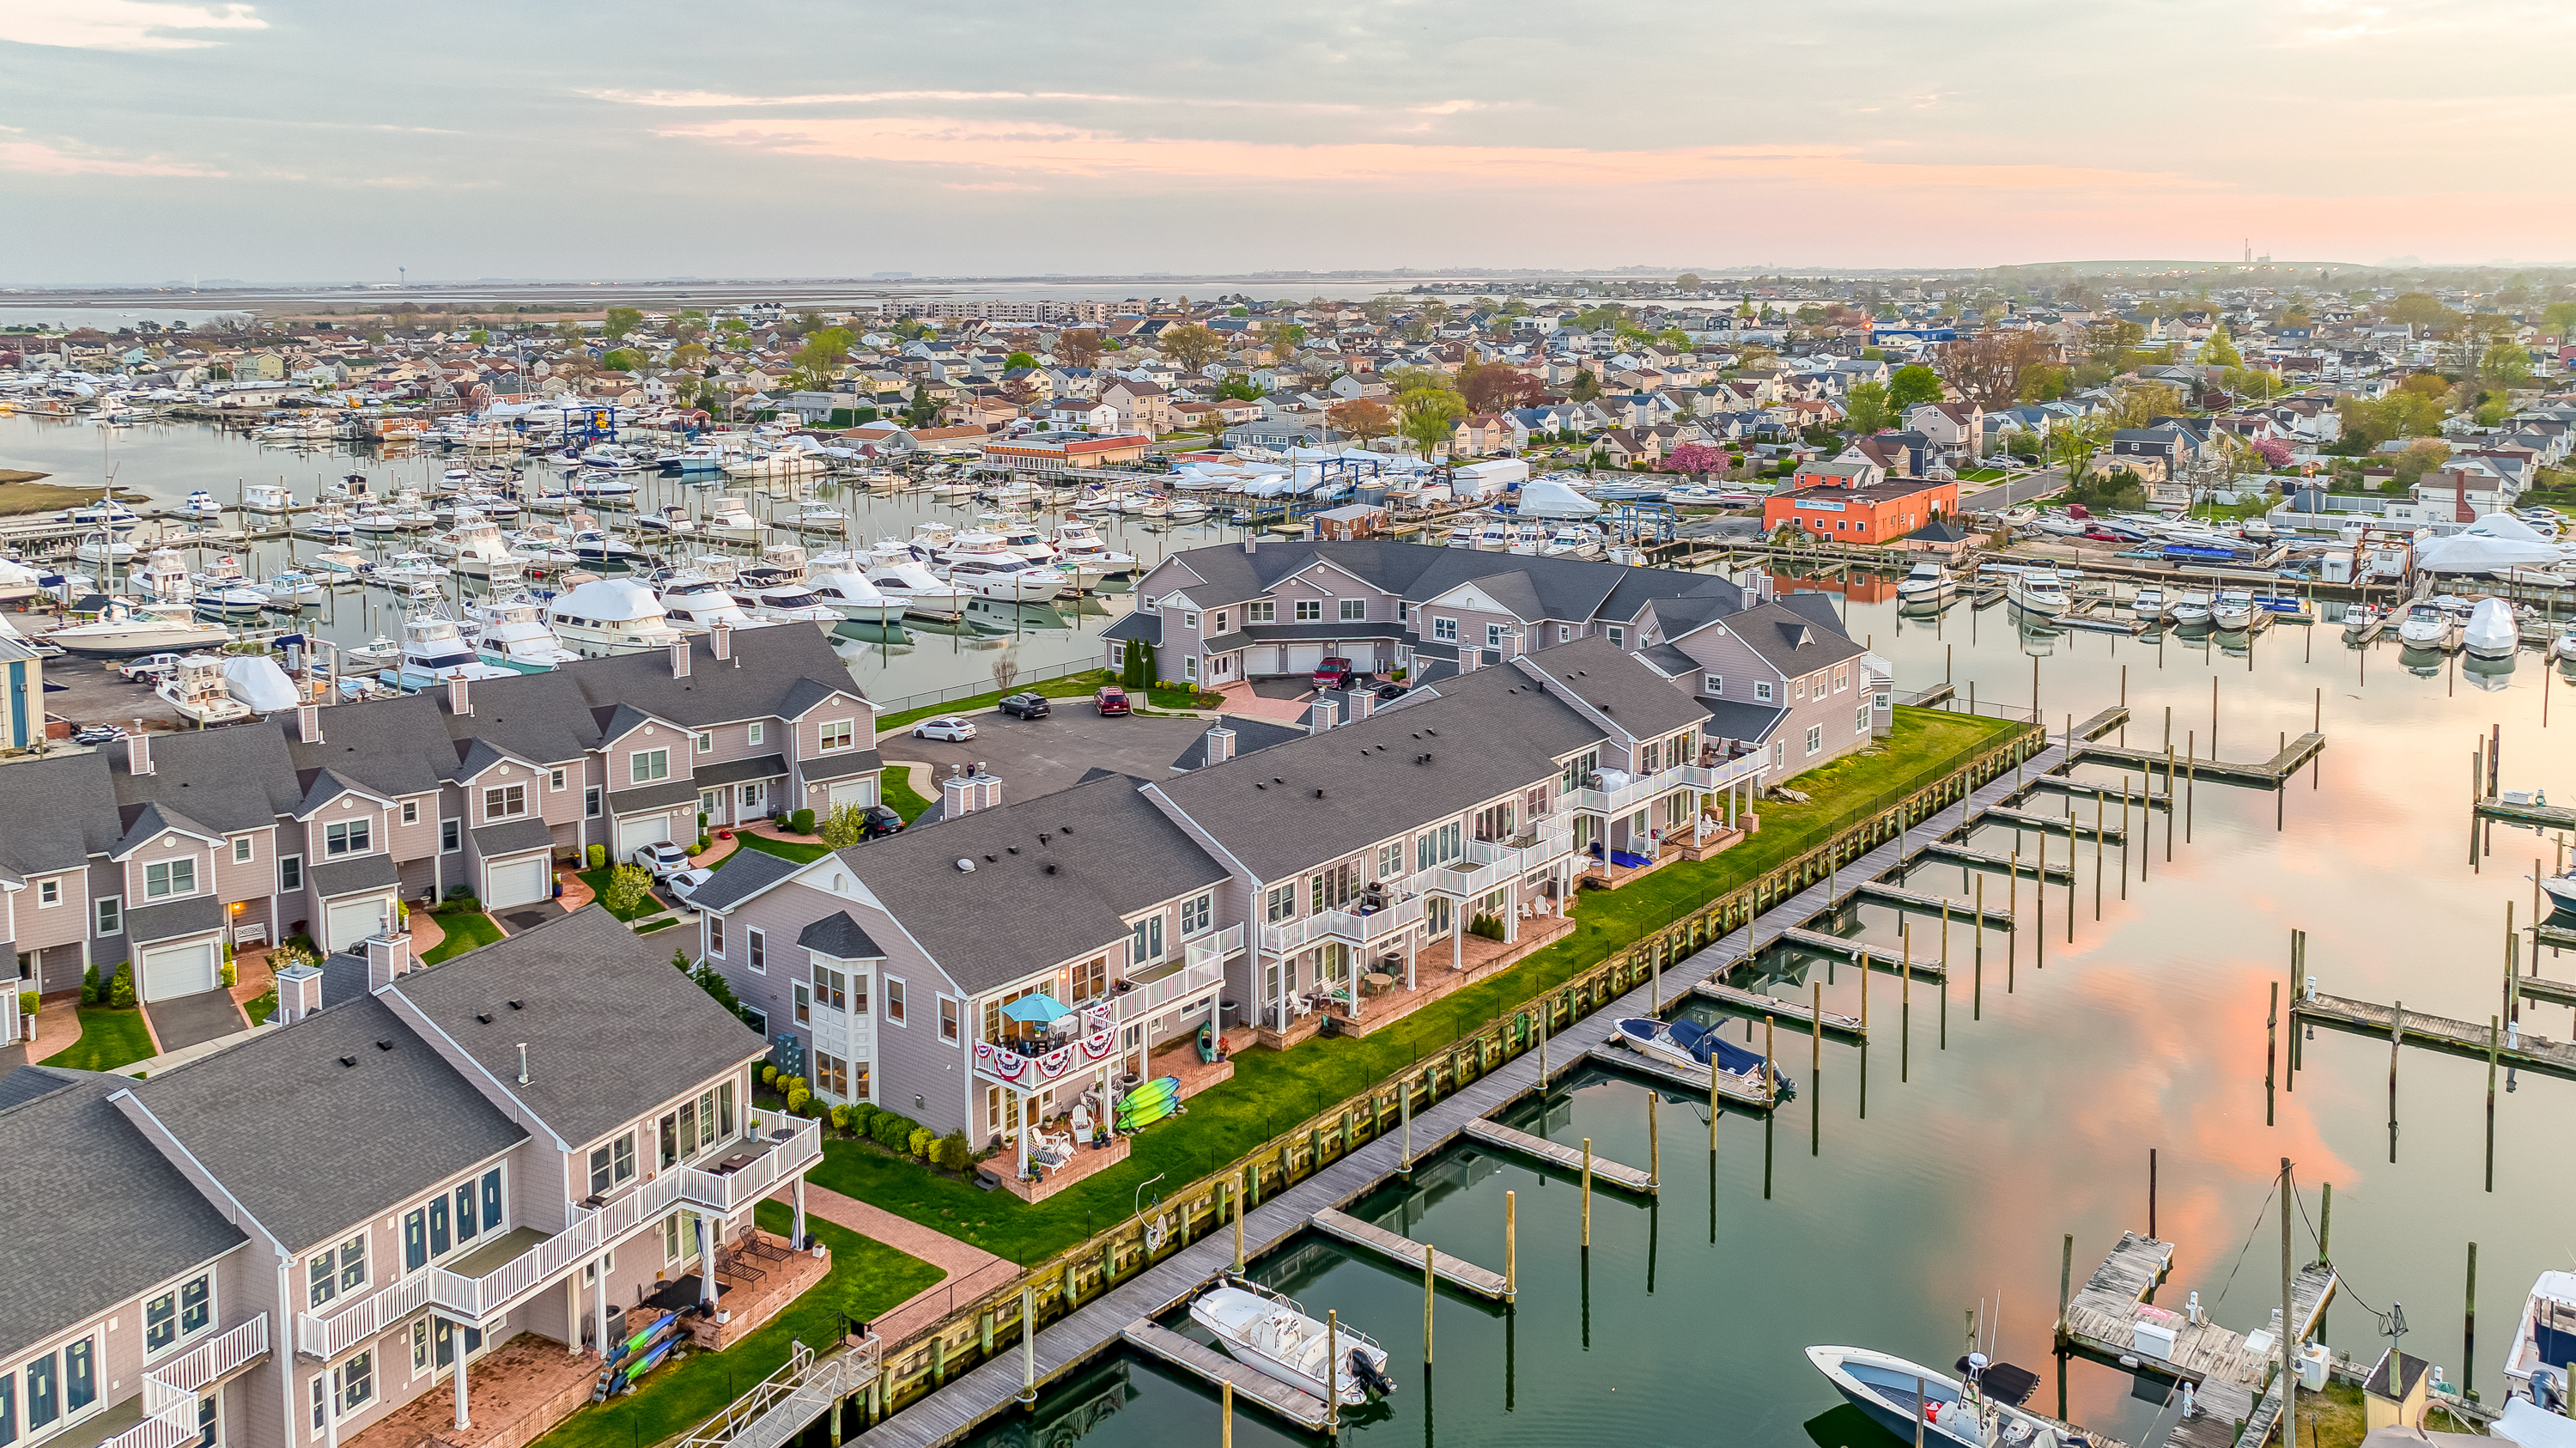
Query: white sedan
{"type": "Point", "coordinates": [955, 728]}
{"type": "Point", "coordinates": [685, 883]}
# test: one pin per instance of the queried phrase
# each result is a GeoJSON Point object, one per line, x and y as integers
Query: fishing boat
{"type": "Point", "coordinates": [1270, 1332]}
{"type": "Point", "coordinates": [163, 576]}
{"type": "Point", "coordinates": [203, 504]}
{"type": "Point", "coordinates": [198, 691]}
{"type": "Point", "coordinates": [379, 650]}
{"type": "Point", "coordinates": [2233, 608]}
{"type": "Point", "coordinates": [2037, 590]}
{"type": "Point", "coordinates": [2544, 1342]}
{"type": "Point", "coordinates": [2492, 631]}
{"type": "Point", "coordinates": [404, 569]}
{"type": "Point", "coordinates": [1982, 1411]}
{"type": "Point", "coordinates": [434, 649]}
{"type": "Point", "coordinates": [508, 629]}
{"type": "Point", "coordinates": [895, 572]}
{"type": "Point", "coordinates": [1925, 583]}
{"type": "Point", "coordinates": [1690, 1044]}
{"type": "Point", "coordinates": [148, 628]}
{"type": "Point", "coordinates": [2427, 626]}
{"type": "Point", "coordinates": [268, 498]}
{"type": "Point", "coordinates": [475, 546]}
{"type": "Point", "coordinates": [291, 590]}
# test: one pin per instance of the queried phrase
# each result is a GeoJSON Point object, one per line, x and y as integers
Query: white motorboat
{"type": "Point", "coordinates": [2233, 608]}
{"type": "Point", "coordinates": [292, 589]}
{"type": "Point", "coordinates": [2190, 608]}
{"type": "Point", "coordinates": [18, 581]}
{"type": "Point", "coordinates": [2037, 590]}
{"type": "Point", "coordinates": [792, 603]}
{"type": "Point", "coordinates": [509, 629]}
{"type": "Point", "coordinates": [900, 576]}
{"type": "Point", "coordinates": [1079, 546]}
{"type": "Point", "coordinates": [774, 465]}
{"type": "Point", "coordinates": [2492, 632]}
{"type": "Point", "coordinates": [694, 604]}
{"type": "Point", "coordinates": [979, 561]}
{"type": "Point", "coordinates": [730, 515]}
{"type": "Point", "coordinates": [1696, 1047]}
{"type": "Point", "coordinates": [198, 691]}
{"type": "Point", "coordinates": [379, 650]}
{"type": "Point", "coordinates": [163, 577]}
{"type": "Point", "coordinates": [2427, 626]}
{"type": "Point", "coordinates": [2561, 647]}
{"type": "Point", "coordinates": [149, 628]}
{"type": "Point", "coordinates": [475, 546]}
{"type": "Point", "coordinates": [330, 522]}
{"type": "Point", "coordinates": [405, 569]}
{"type": "Point", "coordinates": [1270, 1332]}
{"type": "Point", "coordinates": [673, 519]}
{"type": "Point", "coordinates": [2359, 616]}
{"type": "Point", "coordinates": [2544, 1342]}
{"type": "Point", "coordinates": [854, 597]}
{"type": "Point", "coordinates": [1025, 540]}
{"type": "Point", "coordinates": [100, 548]}
{"type": "Point", "coordinates": [1949, 1413]}
{"type": "Point", "coordinates": [599, 546]}
{"type": "Point", "coordinates": [203, 504]}
{"type": "Point", "coordinates": [2148, 606]}
{"type": "Point", "coordinates": [592, 483]}
{"type": "Point", "coordinates": [1925, 583]}
{"type": "Point", "coordinates": [268, 498]}
{"type": "Point", "coordinates": [434, 649]}
{"type": "Point", "coordinates": [341, 565]}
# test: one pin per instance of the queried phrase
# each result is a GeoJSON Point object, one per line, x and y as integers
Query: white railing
{"type": "Point", "coordinates": [1487, 864]}
{"type": "Point", "coordinates": [790, 1399]}
{"type": "Point", "coordinates": [328, 1337]}
{"type": "Point", "coordinates": [171, 1389]}
{"type": "Point", "coordinates": [1146, 997]}
{"type": "Point", "coordinates": [1214, 948]}
{"type": "Point", "coordinates": [1647, 787]}
{"type": "Point", "coordinates": [800, 1149]}
{"type": "Point", "coordinates": [1355, 926]}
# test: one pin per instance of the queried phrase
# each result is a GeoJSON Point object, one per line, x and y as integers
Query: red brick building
{"type": "Point", "coordinates": [1852, 503]}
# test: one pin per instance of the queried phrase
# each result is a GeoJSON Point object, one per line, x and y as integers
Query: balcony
{"type": "Point", "coordinates": [1488, 865]}
{"type": "Point", "coordinates": [1646, 788]}
{"type": "Point", "coordinates": [1035, 1065]}
{"type": "Point", "coordinates": [790, 1152]}
{"type": "Point", "coordinates": [1214, 948]}
{"type": "Point", "coordinates": [171, 1389]}
{"type": "Point", "coordinates": [1356, 927]}
{"type": "Point", "coordinates": [1195, 973]}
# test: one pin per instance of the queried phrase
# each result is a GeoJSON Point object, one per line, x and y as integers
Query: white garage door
{"type": "Point", "coordinates": [177, 970]}
{"type": "Point", "coordinates": [346, 922]}
{"type": "Point", "coordinates": [853, 791]}
{"type": "Point", "coordinates": [1302, 658]}
{"type": "Point", "coordinates": [516, 882]}
{"type": "Point", "coordinates": [634, 832]}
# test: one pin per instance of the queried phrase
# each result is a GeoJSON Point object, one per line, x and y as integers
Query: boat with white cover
{"type": "Point", "coordinates": [604, 616]}
{"type": "Point", "coordinates": [1270, 1332]}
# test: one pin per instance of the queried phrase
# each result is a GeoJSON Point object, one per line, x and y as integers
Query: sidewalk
{"type": "Point", "coordinates": [970, 1269]}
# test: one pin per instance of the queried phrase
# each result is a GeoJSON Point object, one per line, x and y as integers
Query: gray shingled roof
{"type": "Point", "coordinates": [347, 877]}
{"type": "Point", "coordinates": [839, 936]}
{"type": "Point", "coordinates": [1251, 736]}
{"type": "Point", "coordinates": [736, 771]}
{"type": "Point", "coordinates": [228, 780]}
{"type": "Point", "coordinates": [90, 1202]}
{"type": "Point", "coordinates": [59, 812]}
{"type": "Point", "coordinates": [154, 819]}
{"type": "Point", "coordinates": [1735, 719]}
{"type": "Point", "coordinates": [192, 916]}
{"type": "Point", "coordinates": [1792, 640]}
{"type": "Point", "coordinates": [516, 837]}
{"type": "Point", "coordinates": [741, 875]}
{"type": "Point", "coordinates": [652, 796]}
{"type": "Point", "coordinates": [840, 764]}
{"type": "Point", "coordinates": [1624, 690]}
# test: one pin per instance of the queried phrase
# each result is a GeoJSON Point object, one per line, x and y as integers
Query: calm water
{"type": "Point", "coordinates": [168, 461]}
{"type": "Point", "coordinates": [2145, 1032]}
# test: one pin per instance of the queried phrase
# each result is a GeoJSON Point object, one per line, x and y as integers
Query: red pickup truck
{"type": "Point", "coordinates": [1334, 674]}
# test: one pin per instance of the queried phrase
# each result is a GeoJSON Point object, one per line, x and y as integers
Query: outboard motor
{"type": "Point", "coordinates": [1368, 1375]}
{"type": "Point", "coordinates": [2546, 1392]}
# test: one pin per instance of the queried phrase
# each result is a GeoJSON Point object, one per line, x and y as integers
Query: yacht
{"type": "Point", "coordinates": [730, 515]}
{"type": "Point", "coordinates": [1079, 548]}
{"type": "Point", "coordinates": [854, 596]}
{"type": "Point", "coordinates": [508, 628]}
{"type": "Point", "coordinates": [2148, 606]}
{"type": "Point", "coordinates": [1925, 583]}
{"type": "Point", "coordinates": [240, 601]}
{"type": "Point", "coordinates": [774, 465]}
{"type": "Point", "coordinates": [2037, 590]}
{"type": "Point", "coordinates": [796, 602]}
{"type": "Point", "coordinates": [695, 604]}
{"type": "Point", "coordinates": [404, 569]}
{"type": "Point", "coordinates": [592, 483]}
{"type": "Point", "coordinates": [163, 576]}
{"type": "Point", "coordinates": [599, 546]}
{"type": "Point", "coordinates": [104, 549]}
{"type": "Point", "coordinates": [606, 616]}
{"type": "Point", "coordinates": [434, 649]}
{"type": "Point", "coordinates": [977, 561]}
{"type": "Point", "coordinates": [198, 691]}
{"type": "Point", "coordinates": [1025, 540]}
{"type": "Point", "coordinates": [702, 458]}
{"type": "Point", "coordinates": [2233, 608]}
{"type": "Point", "coordinates": [2428, 626]}
{"type": "Point", "coordinates": [341, 565]}
{"type": "Point", "coordinates": [148, 628]}
{"type": "Point", "coordinates": [905, 579]}
{"type": "Point", "coordinates": [292, 589]}
{"type": "Point", "coordinates": [268, 498]}
{"type": "Point", "coordinates": [475, 547]}
{"type": "Point", "coordinates": [203, 504]}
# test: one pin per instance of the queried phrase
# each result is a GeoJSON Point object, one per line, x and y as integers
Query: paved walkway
{"type": "Point", "coordinates": [969, 1268]}
{"type": "Point", "coordinates": [58, 1027]}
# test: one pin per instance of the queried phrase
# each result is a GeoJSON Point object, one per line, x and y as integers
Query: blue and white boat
{"type": "Point", "coordinates": [1981, 1412]}
{"type": "Point", "coordinates": [1688, 1043]}
{"type": "Point", "coordinates": [203, 504]}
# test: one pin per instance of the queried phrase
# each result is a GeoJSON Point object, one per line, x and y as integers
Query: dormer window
{"type": "Point", "coordinates": [168, 878]}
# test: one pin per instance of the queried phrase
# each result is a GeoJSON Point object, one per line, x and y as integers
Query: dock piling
{"type": "Point", "coordinates": [1904, 1003]}
{"type": "Point", "coordinates": [2494, 1028]}
{"type": "Point", "coordinates": [1977, 948]}
{"type": "Point", "coordinates": [1511, 1247]}
{"type": "Point", "coordinates": [1945, 974]}
{"type": "Point", "coordinates": [1028, 1343]}
{"type": "Point", "coordinates": [1655, 1138]}
{"type": "Point", "coordinates": [2396, 1038]}
{"type": "Point", "coordinates": [1587, 1193]}
{"type": "Point", "coordinates": [1225, 1414]}
{"type": "Point", "coordinates": [1404, 1116]}
{"type": "Point", "coordinates": [2469, 1326]}
{"type": "Point", "coordinates": [1237, 1194]}
{"type": "Point", "coordinates": [1332, 1353]}
{"type": "Point", "coordinates": [2151, 1192]}
{"type": "Point", "coordinates": [1429, 1286]}
{"type": "Point", "coordinates": [2271, 1048]}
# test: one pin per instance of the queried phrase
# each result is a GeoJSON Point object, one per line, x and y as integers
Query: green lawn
{"type": "Point", "coordinates": [797, 850]}
{"type": "Point", "coordinates": [1272, 1090]}
{"type": "Point", "coordinates": [895, 787]}
{"type": "Point", "coordinates": [597, 880]}
{"type": "Point", "coordinates": [867, 1278]}
{"type": "Point", "coordinates": [466, 930]}
{"type": "Point", "coordinates": [1071, 686]}
{"type": "Point", "coordinates": [109, 1038]}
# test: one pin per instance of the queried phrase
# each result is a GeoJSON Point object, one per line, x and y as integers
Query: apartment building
{"type": "Point", "coordinates": [520, 1141]}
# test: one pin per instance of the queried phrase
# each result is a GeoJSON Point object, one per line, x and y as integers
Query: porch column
{"type": "Point", "coordinates": [331, 1415]}
{"type": "Point", "coordinates": [1412, 950]}
{"type": "Point", "coordinates": [572, 1315]}
{"type": "Point", "coordinates": [1458, 936]}
{"type": "Point", "coordinates": [456, 1332]}
{"type": "Point", "coordinates": [1022, 1099]}
{"type": "Point", "coordinates": [707, 1231]}
{"type": "Point", "coordinates": [1512, 911]}
{"type": "Point", "coordinates": [599, 1305]}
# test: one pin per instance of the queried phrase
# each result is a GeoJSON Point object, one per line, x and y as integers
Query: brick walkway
{"type": "Point", "coordinates": [969, 1268]}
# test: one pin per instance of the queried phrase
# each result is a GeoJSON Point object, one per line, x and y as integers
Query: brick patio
{"type": "Point", "coordinates": [515, 1394]}
{"type": "Point", "coordinates": [755, 1278]}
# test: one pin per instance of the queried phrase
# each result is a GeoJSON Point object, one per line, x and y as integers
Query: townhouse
{"type": "Point", "coordinates": [525, 1140]}
{"type": "Point", "coordinates": [164, 850]}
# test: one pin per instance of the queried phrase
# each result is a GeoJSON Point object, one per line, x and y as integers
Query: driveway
{"type": "Point", "coordinates": [1040, 756]}
{"type": "Point", "coordinates": [2018, 490]}
{"type": "Point", "coordinates": [191, 1019]}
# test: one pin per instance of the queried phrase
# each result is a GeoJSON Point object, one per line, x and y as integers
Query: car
{"type": "Point", "coordinates": [151, 668]}
{"type": "Point", "coordinates": [1028, 706]}
{"type": "Point", "coordinates": [1109, 699]}
{"type": "Point", "coordinates": [95, 734]}
{"type": "Point", "coordinates": [684, 883]}
{"type": "Point", "coordinates": [880, 821]}
{"type": "Point", "coordinates": [955, 728]}
{"type": "Point", "coordinates": [661, 859]}
{"type": "Point", "coordinates": [1393, 691]}
{"type": "Point", "coordinates": [1333, 674]}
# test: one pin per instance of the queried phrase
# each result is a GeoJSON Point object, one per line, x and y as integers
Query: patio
{"type": "Point", "coordinates": [514, 1394]}
{"type": "Point", "coordinates": [756, 1277]}
{"type": "Point", "coordinates": [1442, 967]}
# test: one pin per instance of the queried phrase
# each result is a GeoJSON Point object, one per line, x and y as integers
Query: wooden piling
{"type": "Point", "coordinates": [1511, 1246]}
{"type": "Point", "coordinates": [1977, 949]}
{"type": "Point", "coordinates": [1429, 1282]}
{"type": "Point", "coordinates": [2494, 1031]}
{"type": "Point", "coordinates": [2169, 794]}
{"type": "Point", "coordinates": [2396, 1038]}
{"type": "Point", "coordinates": [1332, 1353]}
{"type": "Point", "coordinates": [1237, 1194]}
{"type": "Point", "coordinates": [1945, 973]}
{"type": "Point", "coordinates": [1028, 1342]}
{"type": "Point", "coordinates": [1404, 1116]}
{"type": "Point", "coordinates": [1770, 1077]}
{"type": "Point", "coordinates": [2271, 1048]}
{"type": "Point", "coordinates": [1655, 1138]}
{"type": "Point", "coordinates": [1587, 1192]}
{"type": "Point", "coordinates": [1225, 1413]}
{"type": "Point", "coordinates": [1904, 1002]}
{"type": "Point", "coordinates": [2469, 1321]}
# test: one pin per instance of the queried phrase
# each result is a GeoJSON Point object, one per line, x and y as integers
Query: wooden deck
{"type": "Point", "coordinates": [1694, 1079]}
{"type": "Point", "coordinates": [2102, 1318]}
{"type": "Point", "coordinates": [1797, 1013]}
{"type": "Point", "coordinates": [2538, 816]}
{"type": "Point", "coordinates": [2138, 799]}
{"type": "Point", "coordinates": [1407, 1253]}
{"type": "Point", "coordinates": [2553, 936]}
{"type": "Point", "coordinates": [2556, 992]}
{"type": "Point", "coordinates": [1250, 1384]}
{"type": "Point", "coordinates": [2052, 824]}
{"type": "Point", "coordinates": [2058, 873]}
{"type": "Point", "coordinates": [2439, 1033]}
{"type": "Point", "coordinates": [2270, 774]}
{"type": "Point", "coordinates": [1557, 1154]}
{"type": "Point", "coordinates": [1918, 903]}
{"type": "Point", "coordinates": [1879, 956]}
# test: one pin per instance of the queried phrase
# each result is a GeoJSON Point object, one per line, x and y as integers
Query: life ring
{"type": "Point", "coordinates": [1155, 1235]}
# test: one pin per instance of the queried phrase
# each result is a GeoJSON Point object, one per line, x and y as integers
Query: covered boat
{"type": "Point", "coordinates": [1268, 1331]}
{"type": "Point", "coordinates": [1688, 1043]}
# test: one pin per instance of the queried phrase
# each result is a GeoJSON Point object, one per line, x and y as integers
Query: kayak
{"type": "Point", "coordinates": [1149, 1103]}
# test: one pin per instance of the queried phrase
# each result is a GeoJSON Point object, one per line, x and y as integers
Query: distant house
{"type": "Point", "coordinates": [1957, 429]}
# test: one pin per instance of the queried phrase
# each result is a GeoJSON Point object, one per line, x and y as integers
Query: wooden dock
{"type": "Point", "coordinates": [2106, 722]}
{"type": "Point", "coordinates": [2058, 874]}
{"type": "Point", "coordinates": [1694, 1079]}
{"type": "Point", "coordinates": [1250, 1384]}
{"type": "Point", "coordinates": [1405, 1252]}
{"type": "Point", "coordinates": [2102, 1318]}
{"type": "Point", "coordinates": [1556, 1154]}
{"type": "Point", "coordinates": [2556, 992]}
{"type": "Point", "coordinates": [1919, 903]}
{"type": "Point", "coordinates": [2053, 824]}
{"type": "Point", "coordinates": [2138, 799]}
{"type": "Point", "coordinates": [1787, 1012]}
{"type": "Point", "coordinates": [2555, 937]}
{"type": "Point", "coordinates": [2270, 774]}
{"type": "Point", "coordinates": [1879, 957]}
{"type": "Point", "coordinates": [2439, 1033]}
{"type": "Point", "coordinates": [2538, 816]}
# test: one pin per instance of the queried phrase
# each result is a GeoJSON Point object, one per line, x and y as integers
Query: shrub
{"type": "Point", "coordinates": [954, 1153]}
{"type": "Point", "coordinates": [796, 1100]}
{"type": "Point", "coordinates": [120, 991]}
{"type": "Point", "coordinates": [802, 822]}
{"type": "Point", "coordinates": [862, 1116]}
{"type": "Point", "coordinates": [705, 843]}
{"type": "Point", "coordinates": [89, 985]}
{"type": "Point", "coordinates": [892, 1130]}
{"type": "Point", "coordinates": [921, 1141]}
{"type": "Point", "coordinates": [627, 887]}
{"type": "Point", "coordinates": [231, 975]}
{"type": "Point", "coordinates": [842, 825]}
{"type": "Point", "coordinates": [768, 1074]}
{"type": "Point", "coordinates": [27, 1002]}
{"type": "Point", "coordinates": [597, 855]}
{"type": "Point", "coordinates": [840, 1118]}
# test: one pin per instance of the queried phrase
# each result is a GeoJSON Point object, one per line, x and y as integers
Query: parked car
{"type": "Point", "coordinates": [955, 728]}
{"type": "Point", "coordinates": [1393, 691]}
{"type": "Point", "coordinates": [881, 821]}
{"type": "Point", "coordinates": [661, 858]}
{"type": "Point", "coordinates": [151, 668]}
{"type": "Point", "coordinates": [1333, 674]}
{"type": "Point", "coordinates": [1110, 699]}
{"type": "Point", "coordinates": [1028, 706]}
{"type": "Point", "coordinates": [684, 883]}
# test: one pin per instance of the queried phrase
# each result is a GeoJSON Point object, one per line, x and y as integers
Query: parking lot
{"type": "Point", "coordinates": [1040, 756]}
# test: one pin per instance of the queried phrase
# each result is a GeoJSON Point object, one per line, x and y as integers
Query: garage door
{"type": "Point", "coordinates": [634, 832]}
{"type": "Point", "coordinates": [177, 970]}
{"type": "Point", "coordinates": [346, 922]}
{"type": "Point", "coordinates": [516, 882]}
{"type": "Point", "coordinates": [853, 791]}
{"type": "Point", "coordinates": [1302, 658]}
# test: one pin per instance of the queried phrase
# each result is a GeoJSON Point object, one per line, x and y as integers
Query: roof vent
{"type": "Point", "coordinates": [1064, 829]}
{"type": "Point", "coordinates": [1050, 869]}
{"type": "Point", "coordinates": [483, 1018]}
{"type": "Point", "coordinates": [518, 1005]}
{"type": "Point", "coordinates": [966, 867]}
{"type": "Point", "coordinates": [1010, 849]}
{"type": "Point", "coordinates": [989, 859]}
{"type": "Point", "coordinates": [1257, 784]}
{"type": "Point", "coordinates": [1319, 794]}
{"type": "Point", "coordinates": [1043, 837]}
{"type": "Point", "coordinates": [348, 1060]}
{"type": "Point", "coordinates": [384, 1045]}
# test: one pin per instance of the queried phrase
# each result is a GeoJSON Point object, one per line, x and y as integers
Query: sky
{"type": "Point", "coordinates": [326, 141]}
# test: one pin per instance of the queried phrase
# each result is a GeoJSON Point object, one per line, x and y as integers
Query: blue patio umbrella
{"type": "Point", "coordinates": [1037, 1010]}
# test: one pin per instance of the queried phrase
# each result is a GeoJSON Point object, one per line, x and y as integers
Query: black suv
{"type": "Point", "coordinates": [881, 820]}
{"type": "Point", "coordinates": [1028, 706]}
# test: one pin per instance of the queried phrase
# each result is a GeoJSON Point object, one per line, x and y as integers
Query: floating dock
{"type": "Point", "coordinates": [1692, 1078]}
{"type": "Point", "coordinates": [1796, 1013]}
{"type": "Point", "coordinates": [2538, 816]}
{"type": "Point", "coordinates": [2001, 864]}
{"type": "Point", "coordinates": [2556, 992]}
{"type": "Point", "coordinates": [2555, 937]}
{"type": "Point", "coordinates": [1878, 958]}
{"type": "Point", "coordinates": [2439, 1033]}
{"type": "Point", "coordinates": [1556, 1154]}
{"type": "Point", "coordinates": [2102, 1318]}
{"type": "Point", "coordinates": [1405, 1252]}
{"type": "Point", "coordinates": [1921, 904]}
{"type": "Point", "coordinates": [1251, 1385]}
{"type": "Point", "coordinates": [2270, 774]}
{"type": "Point", "coordinates": [2060, 784]}
{"type": "Point", "coordinates": [2053, 824]}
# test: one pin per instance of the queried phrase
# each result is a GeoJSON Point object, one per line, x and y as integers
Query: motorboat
{"type": "Point", "coordinates": [268, 498]}
{"type": "Point", "coordinates": [292, 589]}
{"type": "Point", "coordinates": [1925, 583]}
{"type": "Point", "coordinates": [198, 691]}
{"type": "Point", "coordinates": [903, 578]}
{"type": "Point", "coordinates": [730, 515]}
{"type": "Point", "coordinates": [2358, 617]}
{"type": "Point", "coordinates": [2037, 590]}
{"type": "Point", "coordinates": [257, 681]}
{"type": "Point", "coordinates": [2427, 625]}
{"type": "Point", "coordinates": [1025, 540]}
{"type": "Point", "coordinates": [434, 649]}
{"type": "Point", "coordinates": [979, 561]}
{"type": "Point", "coordinates": [404, 569]}
{"type": "Point", "coordinates": [598, 546]}
{"type": "Point", "coordinates": [1269, 1332]}
{"type": "Point", "coordinates": [105, 549]}
{"type": "Point", "coordinates": [673, 519]}
{"type": "Point", "coordinates": [149, 628]}
{"type": "Point", "coordinates": [163, 576]}
{"type": "Point", "coordinates": [382, 649]}
{"type": "Point", "coordinates": [854, 597]}
{"type": "Point", "coordinates": [2544, 1342]}
{"type": "Point", "coordinates": [703, 458]}
{"type": "Point", "coordinates": [475, 546]}
{"type": "Point", "coordinates": [2148, 606]}
{"type": "Point", "coordinates": [2561, 647]}
{"type": "Point", "coordinates": [593, 483]}
{"type": "Point", "coordinates": [203, 504]}
{"type": "Point", "coordinates": [509, 629]}
{"type": "Point", "coordinates": [18, 581]}
{"type": "Point", "coordinates": [2492, 632]}
{"type": "Point", "coordinates": [330, 522]}
{"type": "Point", "coordinates": [694, 604]}
{"type": "Point", "coordinates": [1691, 1045]}
{"type": "Point", "coordinates": [2233, 608]}
{"type": "Point", "coordinates": [1982, 1411]}
{"type": "Point", "coordinates": [2191, 608]}
{"type": "Point", "coordinates": [791, 603]}
{"type": "Point", "coordinates": [1080, 548]}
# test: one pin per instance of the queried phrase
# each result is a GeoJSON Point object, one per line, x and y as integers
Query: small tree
{"type": "Point", "coordinates": [802, 822]}
{"type": "Point", "coordinates": [843, 825]}
{"type": "Point", "coordinates": [120, 991]}
{"type": "Point", "coordinates": [1364, 418]}
{"type": "Point", "coordinates": [1695, 457]}
{"type": "Point", "coordinates": [1138, 669]}
{"type": "Point", "coordinates": [89, 985]}
{"type": "Point", "coordinates": [627, 887]}
{"type": "Point", "coordinates": [1006, 668]}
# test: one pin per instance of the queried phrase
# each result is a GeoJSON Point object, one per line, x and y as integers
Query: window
{"type": "Point", "coordinates": [1494, 635]}
{"type": "Point", "coordinates": [859, 992]}
{"type": "Point", "coordinates": [111, 915]}
{"type": "Point", "coordinates": [831, 1074]}
{"type": "Point", "coordinates": [1198, 914]}
{"type": "Point", "coordinates": [1815, 738]}
{"type": "Point", "coordinates": [1798, 690]}
{"type": "Point", "coordinates": [715, 935]}
{"type": "Point", "coordinates": [1145, 940]}
{"type": "Point", "coordinates": [1618, 636]}
{"type": "Point", "coordinates": [1713, 685]}
{"type": "Point", "coordinates": [1091, 979]}
{"type": "Point", "coordinates": [947, 1018]}
{"type": "Point", "coordinates": [1354, 609]}
{"type": "Point", "coordinates": [1564, 632]}
{"type": "Point", "coordinates": [169, 877]}
{"type": "Point", "coordinates": [442, 1227]}
{"type": "Point", "coordinates": [555, 777]}
{"type": "Point", "coordinates": [49, 892]}
{"type": "Point", "coordinates": [1650, 756]}
{"type": "Point", "coordinates": [44, 1392]}
{"type": "Point", "coordinates": [1762, 691]}
{"type": "Point", "coordinates": [415, 1240]}
{"type": "Point", "coordinates": [357, 1381]}
{"type": "Point", "coordinates": [833, 736]}
{"type": "Point", "coordinates": [1842, 677]}
{"type": "Point", "coordinates": [647, 765]}
{"type": "Point", "coordinates": [757, 733]}
{"type": "Point", "coordinates": [1444, 630]}
{"type": "Point", "coordinates": [182, 1312]}
{"type": "Point", "coordinates": [80, 1375]}
{"type": "Point", "coordinates": [613, 1163]}
{"type": "Point", "coordinates": [804, 1004]}
{"type": "Point", "coordinates": [451, 836]}
{"type": "Point", "coordinates": [1189, 620]}
{"type": "Point", "coordinates": [1221, 617]}
{"type": "Point", "coordinates": [894, 1000]}
{"type": "Point", "coordinates": [1860, 719]}
{"type": "Point", "coordinates": [206, 1420]}
{"type": "Point", "coordinates": [671, 1238]}
{"type": "Point", "coordinates": [1264, 611]}
{"type": "Point", "coordinates": [1278, 903]}
{"type": "Point", "coordinates": [507, 801]}
{"type": "Point", "coordinates": [1390, 860]}
{"type": "Point", "coordinates": [590, 802]}
{"type": "Point", "coordinates": [346, 837]}
{"type": "Point", "coordinates": [1436, 846]}
{"type": "Point", "coordinates": [321, 1402]}
{"type": "Point", "coordinates": [411, 812]}
{"type": "Point", "coordinates": [706, 741]}
{"type": "Point", "coordinates": [757, 942]}
{"type": "Point", "coordinates": [1310, 610]}
{"type": "Point", "coordinates": [241, 849]}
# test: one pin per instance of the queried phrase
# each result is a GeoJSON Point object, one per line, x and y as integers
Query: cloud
{"type": "Point", "coordinates": [120, 24]}
{"type": "Point", "coordinates": [729, 100]}
{"type": "Point", "coordinates": [42, 159]}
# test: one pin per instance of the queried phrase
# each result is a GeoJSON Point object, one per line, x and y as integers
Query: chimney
{"type": "Point", "coordinates": [1511, 645]}
{"type": "Point", "coordinates": [1470, 659]}
{"type": "Point", "coordinates": [1220, 745]}
{"type": "Point", "coordinates": [299, 993]}
{"type": "Point", "coordinates": [680, 659]}
{"type": "Point", "coordinates": [138, 751]}
{"type": "Point", "coordinates": [308, 723]}
{"type": "Point", "coordinates": [1363, 704]}
{"type": "Point", "coordinates": [1251, 542]}
{"type": "Point", "coordinates": [722, 634]}
{"type": "Point", "coordinates": [1319, 717]}
{"type": "Point", "coordinates": [964, 792]}
{"type": "Point", "coordinates": [388, 955]}
{"type": "Point", "coordinates": [457, 702]}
